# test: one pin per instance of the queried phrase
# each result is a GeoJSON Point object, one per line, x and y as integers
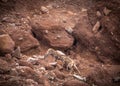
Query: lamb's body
{"type": "Point", "coordinates": [59, 55]}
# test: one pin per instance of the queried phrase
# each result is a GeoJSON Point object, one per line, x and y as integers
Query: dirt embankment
{"type": "Point", "coordinates": [87, 31]}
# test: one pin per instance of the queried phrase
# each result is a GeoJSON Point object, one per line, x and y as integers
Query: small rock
{"type": "Point", "coordinates": [20, 39]}
{"type": "Point", "coordinates": [96, 27]}
{"type": "Point", "coordinates": [16, 64]}
{"type": "Point", "coordinates": [70, 12]}
{"type": "Point", "coordinates": [44, 9]}
{"type": "Point", "coordinates": [84, 10]}
{"type": "Point", "coordinates": [98, 14]}
{"type": "Point", "coordinates": [58, 36]}
{"type": "Point", "coordinates": [6, 44]}
{"type": "Point", "coordinates": [106, 11]}
{"type": "Point", "coordinates": [96, 48]}
{"type": "Point", "coordinates": [17, 53]}
{"type": "Point", "coordinates": [69, 29]}
{"type": "Point", "coordinates": [8, 57]}
{"type": "Point", "coordinates": [59, 74]}
{"type": "Point", "coordinates": [46, 31]}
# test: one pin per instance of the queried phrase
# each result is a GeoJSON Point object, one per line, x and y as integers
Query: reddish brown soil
{"type": "Point", "coordinates": [97, 54]}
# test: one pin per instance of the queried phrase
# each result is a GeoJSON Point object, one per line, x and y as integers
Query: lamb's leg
{"type": "Point", "coordinates": [76, 68]}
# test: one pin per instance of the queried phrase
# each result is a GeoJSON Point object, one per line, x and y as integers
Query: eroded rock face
{"type": "Point", "coordinates": [55, 36]}
{"type": "Point", "coordinates": [100, 76]}
{"type": "Point", "coordinates": [6, 44]}
{"type": "Point", "coordinates": [83, 33]}
{"type": "Point", "coordinates": [101, 41]}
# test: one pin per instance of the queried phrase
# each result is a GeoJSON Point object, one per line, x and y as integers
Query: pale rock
{"type": "Point", "coordinates": [44, 9]}
{"type": "Point", "coordinates": [6, 44]}
{"type": "Point", "coordinates": [96, 27]}
{"type": "Point", "coordinates": [106, 11]}
{"type": "Point", "coordinates": [98, 14]}
{"type": "Point", "coordinates": [69, 29]}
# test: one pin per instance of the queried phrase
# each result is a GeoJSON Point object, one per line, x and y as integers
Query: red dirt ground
{"type": "Point", "coordinates": [97, 54]}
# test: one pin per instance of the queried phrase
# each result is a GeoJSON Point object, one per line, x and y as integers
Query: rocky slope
{"type": "Point", "coordinates": [87, 31]}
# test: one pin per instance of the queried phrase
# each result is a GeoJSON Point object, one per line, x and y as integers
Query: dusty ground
{"type": "Point", "coordinates": [66, 25]}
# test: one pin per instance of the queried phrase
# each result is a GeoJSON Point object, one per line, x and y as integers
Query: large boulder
{"type": "Point", "coordinates": [55, 36]}
{"type": "Point", "coordinates": [6, 44]}
{"type": "Point", "coordinates": [55, 27]}
{"type": "Point", "coordinates": [23, 38]}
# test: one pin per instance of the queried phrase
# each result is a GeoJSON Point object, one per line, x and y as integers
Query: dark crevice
{"type": "Point", "coordinates": [34, 35]}
{"type": "Point", "coordinates": [100, 28]}
{"type": "Point", "coordinates": [75, 42]}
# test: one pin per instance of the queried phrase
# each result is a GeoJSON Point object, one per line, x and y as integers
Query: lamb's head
{"type": "Point", "coordinates": [50, 51]}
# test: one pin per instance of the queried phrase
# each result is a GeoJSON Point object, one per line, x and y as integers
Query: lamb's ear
{"type": "Point", "coordinates": [60, 52]}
